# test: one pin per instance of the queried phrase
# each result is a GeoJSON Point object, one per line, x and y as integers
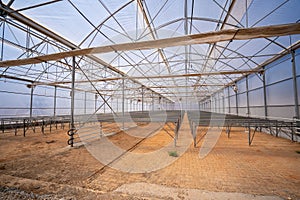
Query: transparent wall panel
{"type": "Point", "coordinates": [255, 81]}
{"type": "Point", "coordinates": [14, 99]}
{"type": "Point", "coordinates": [242, 111]}
{"type": "Point", "coordinates": [257, 111]}
{"type": "Point", "coordinates": [281, 111]}
{"type": "Point", "coordinates": [226, 104]}
{"type": "Point", "coordinates": [256, 97]}
{"type": "Point", "coordinates": [63, 102]}
{"type": "Point", "coordinates": [233, 110]}
{"type": "Point", "coordinates": [79, 103]}
{"type": "Point", "coordinates": [242, 100]}
{"type": "Point", "coordinates": [232, 105]}
{"type": "Point", "coordinates": [241, 85]}
{"type": "Point", "coordinates": [42, 106]}
{"type": "Point", "coordinates": [90, 103]}
{"type": "Point", "coordinates": [14, 105]}
{"type": "Point", "coordinates": [280, 93]}
{"type": "Point", "coordinates": [282, 70]}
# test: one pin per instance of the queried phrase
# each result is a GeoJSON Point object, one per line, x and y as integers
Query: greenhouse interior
{"type": "Point", "coordinates": [145, 99]}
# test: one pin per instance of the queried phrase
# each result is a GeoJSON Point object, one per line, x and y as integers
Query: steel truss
{"type": "Point", "coordinates": [162, 70]}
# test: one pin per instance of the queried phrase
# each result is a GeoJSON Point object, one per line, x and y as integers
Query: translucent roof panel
{"type": "Point", "coordinates": [92, 23]}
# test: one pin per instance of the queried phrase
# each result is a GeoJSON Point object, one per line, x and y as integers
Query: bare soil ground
{"type": "Point", "coordinates": [43, 167]}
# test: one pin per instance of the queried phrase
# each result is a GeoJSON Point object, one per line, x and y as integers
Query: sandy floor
{"type": "Point", "coordinates": [43, 167]}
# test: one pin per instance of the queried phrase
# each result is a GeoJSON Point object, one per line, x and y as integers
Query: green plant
{"type": "Point", "coordinates": [173, 153]}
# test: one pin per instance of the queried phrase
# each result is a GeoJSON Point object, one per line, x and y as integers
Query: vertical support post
{"type": "Point", "coordinates": [295, 86]}
{"type": "Point", "coordinates": [142, 98]}
{"type": "Point", "coordinates": [123, 101]}
{"type": "Point", "coordinates": [3, 38]}
{"type": "Point", "coordinates": [152, 102]}
{"type": "Point", "coordinates": [24, 127]}
{"type": "Point", "coordinates": [229, 109]}
{"type": "Point", "coordinates": [85, 103]}
{"type": "Point", "coordinates": [54, 101]}
{"type": "Point", "coordinates": [43, 128]}
{"type": "Point", "coordinates": [265, 95]}
{"type": "Point", "coordinates": [33, 123]}
{"type": "Point", "coordinates": [27, 40]}
{"type": "Point", "coordinates": [277, 131]}
{"type": "Point", "coordinates": [31, 101]}
{"type": "Point", "coordinates": [236, 102]}
{"type": "Point", "coordinates": [219, 103]}
{"type": "Point", "coordinates": [223, 99]}
{"type": "Point", "coordinates": [247, 96]}
{"type": "Point", "coordinates": [159, 102]}
{"type": "Point", "coordinates": [215, 103]}
{"type": "Point", "coordinates": [249, 135]}
{"type": "Point", "coordinates": [293, 132]}
{"type": "Point", "coordinates": [72, 103]}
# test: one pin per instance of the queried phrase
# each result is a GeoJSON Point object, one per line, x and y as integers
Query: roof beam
{"type": "Point", "coordinates": [184, 86]}
{"type": "Point", "coordinates": [162, 87]}
{"type": "Point", "coordinates": [210, 37]}
{"type": "Point", "coordinates": [157, 77]}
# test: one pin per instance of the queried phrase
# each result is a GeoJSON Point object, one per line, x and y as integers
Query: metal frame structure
{"type": "Point", "coordinates": [208, 119]}
{"type": "Point", "coordinates": [189, 66]}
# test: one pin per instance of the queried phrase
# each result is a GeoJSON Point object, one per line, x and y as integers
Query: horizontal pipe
{"type": "Point", "coordinates": [158, 77]}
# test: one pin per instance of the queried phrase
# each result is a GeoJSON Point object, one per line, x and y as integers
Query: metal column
{"type": "Point", "coordinates": [215, 103]}
{"type": "Point", "coordinates": [123, 101]}
{"type": "Point", "coordinates": [31, 101]}
{"type": "Point", "coordinates": [236, 102]}
{"type": "Point", "coordinates": [229, 110]}
{"type": "Point", "coordinates": [54, 103]}
{"type": "Point", "coordinates": [3, 38]}
{"type": "Point", "coordinates": [223, 99]}
{"type": "Point", "coordinates": [247, 96]}
{"type": "Point", "coordinates": [84, 102]}
{"type": "Point", "coordinates": [265, 95]}
{"type": "Point", "coordinates": [219, 103]}
{"type": "Point", "coordinates": [295, 85]}
{"type": "Point", "coordinates": [72, 130]}
{"type": "Point", "coordinates": [142, 98]}
{"type": "Point", "coordinates": [152, 102]}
